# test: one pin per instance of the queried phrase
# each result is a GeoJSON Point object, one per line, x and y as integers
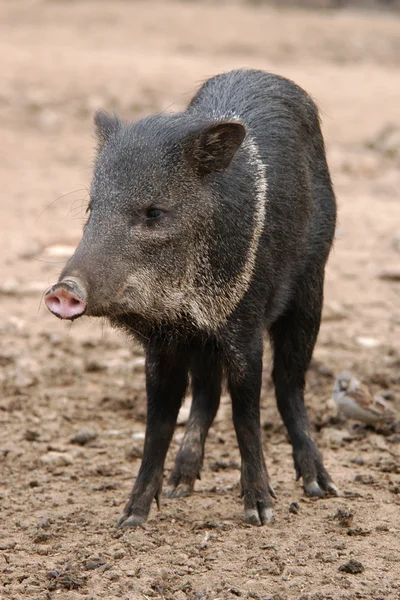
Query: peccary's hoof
{"type": "Point", "coordinates": [130, 521]}
{"type": "Point", "coordinates": [316, 479]}
{"type": "Point", "coordinates": [314, 489]}
{"type": "Point", "coordinates": [261, 515]}
{"type": "Point", "coordinates": [182, 490]}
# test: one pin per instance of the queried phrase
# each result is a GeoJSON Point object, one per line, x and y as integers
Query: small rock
{"type": "Point", "coordinates": [358, 531]}
{"type": "Point", "coordinates": [179, 595]}
{"type": "Point", "coordinates": [345, 517]}
{"type": "Point", "coordinates": [325, 371]}
{"type": "Point", "coordinates": [83, 436]}
{"type": "Point", "coordinates": [368, 342]}
{"type": "Point", "coordinates": [94, 563]}
{"type": "Point", "coordinates": [53, 574]}
{"type": "Point", "coordinates": [366, 479]}
{"type": "Point", "coordinates": [40, 538]}
{"type": "Point", "coordinates": [58, 251]}
{"type": "Point", "coordinates": [7, 545]}
{"type": "Point", "coordinates": [294, 508]}
{"type": "Point", "coordinates": [333, 312]}
{"type": "Point", "coordinates": [204, 542]}
{"type": "Point", "coordinates": [31, 436]}
{"type": "Point", "coordinates": [56, 459]}
{"type": "Point", "coordinates": [390, 274]}
{"type": "Point", "coordinates": [138, 364]}
{"type": "Point", "coordinates": [95, 366]}
{"type": "Point", "coordinates": [44, 523]}
{"type": "Point", "coordinates": [9, 287]}
{"type": "Point", "coordinates": [223, 465]}
{"type": "Point", "coordinates": [353, 567]}
{"type": "Point", "coordinates": [134, 453]}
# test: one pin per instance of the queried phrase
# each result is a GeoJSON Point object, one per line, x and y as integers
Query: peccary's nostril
{"type": "Point", "coordinates": [65, 303]}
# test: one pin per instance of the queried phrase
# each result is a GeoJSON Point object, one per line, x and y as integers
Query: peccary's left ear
{"type": "Point", "coordinates": [106, 126]}
{"type": "Point", "coordinates": [212, 149]}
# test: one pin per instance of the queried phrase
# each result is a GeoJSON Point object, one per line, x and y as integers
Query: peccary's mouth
{"type": "Point", "coordinates": [67, 299]}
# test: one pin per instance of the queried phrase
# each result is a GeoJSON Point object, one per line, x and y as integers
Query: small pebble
{"type": "Point", "coordinates": [40, 538]}
{"type": "Point", "coordinates": [366, 479]}
{"type": "Point", "coordinates": [58, 251]}
{"type": "Point", "coordinates": [94, 366]}
{"type": "Point", "coordinates": [83, 437]}
{"type": "Point", "coordinates": [134, 453]}
{"type": "Point", "coordinates": [353, 567]}
{"type": "Point", "coordinates": [44, 523]}
{"type": "Point", "coordinates": [94, 563]}
{"type": "Point", "coordinates": [345, 517]}
{"type": "Point", "coordinates": [294, 508]}
{"type": "Point", "coordinates": [367, 342]}
{"type": "Point", "coordinates": [390, 275]}
{"type": "Point", "coordinates": [31, 436]}
{"type": "Point", "coordinates": [59, 459]}
{"type": "Point", "coordinates": [53, 574]}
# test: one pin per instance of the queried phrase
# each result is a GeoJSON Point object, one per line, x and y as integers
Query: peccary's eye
{"type": "Point", "coordinates": [153, 213]}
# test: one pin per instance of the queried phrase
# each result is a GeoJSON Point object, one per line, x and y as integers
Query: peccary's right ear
{"type": "Point", "coordinates": [106, 126]}
{"type": "Point", "coordinates": [212, 149]}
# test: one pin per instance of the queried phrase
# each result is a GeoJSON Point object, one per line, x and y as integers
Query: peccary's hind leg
{"type": "Point", "coordinates": [244, 381]}
{"type": "Point", "coordinates": [206, 386]}
{"type": "Point", "coordinates": [293, 336]}
{"type": "Point", "coordinates": [166, 382]}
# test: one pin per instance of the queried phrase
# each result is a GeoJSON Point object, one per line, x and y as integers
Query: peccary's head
{"type": "Point", "coordinates": [148, 242]}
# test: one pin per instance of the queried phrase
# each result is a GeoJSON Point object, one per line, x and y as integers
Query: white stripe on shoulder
{"type": "Point", "coordinates": [211, 310]}
{"type": "Point", "coordinates": [259, 209]}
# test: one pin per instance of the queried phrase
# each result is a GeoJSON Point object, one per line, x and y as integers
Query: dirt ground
{"type": "Point", "coordinates": [59, 500]}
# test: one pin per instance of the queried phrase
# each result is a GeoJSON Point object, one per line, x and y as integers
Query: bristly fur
{"type": "Point", "coordinates": [245, 218]}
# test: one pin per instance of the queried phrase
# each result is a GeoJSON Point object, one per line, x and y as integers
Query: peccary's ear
{"type": "Point", "coordinates": [212, 149]}
{"type": "Point", "coordinates": [106, 125]}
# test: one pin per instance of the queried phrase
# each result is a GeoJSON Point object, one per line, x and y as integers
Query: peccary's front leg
{"type": "Point", "coordinates": [166, 382]}
{"type": "Point", "coordinates": [206, 385]}
{"type": "Point", "coordinates": [244, 381]}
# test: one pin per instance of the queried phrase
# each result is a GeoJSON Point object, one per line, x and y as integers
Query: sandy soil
{"type": "Point", "coordinates": [59, 500]}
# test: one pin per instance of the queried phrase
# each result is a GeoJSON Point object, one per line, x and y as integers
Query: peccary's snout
{"type": "Point", "coordinates": [66, 299]}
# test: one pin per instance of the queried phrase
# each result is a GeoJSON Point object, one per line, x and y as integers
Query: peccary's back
{"type": "Point", "coordinates": [283, 122]}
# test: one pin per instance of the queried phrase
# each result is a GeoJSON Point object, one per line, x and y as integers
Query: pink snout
{"type": "Point", "coordinates": [66, 300]}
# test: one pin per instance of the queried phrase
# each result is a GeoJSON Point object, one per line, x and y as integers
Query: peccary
{"type": "Point", "coordinates": [207, 227]}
